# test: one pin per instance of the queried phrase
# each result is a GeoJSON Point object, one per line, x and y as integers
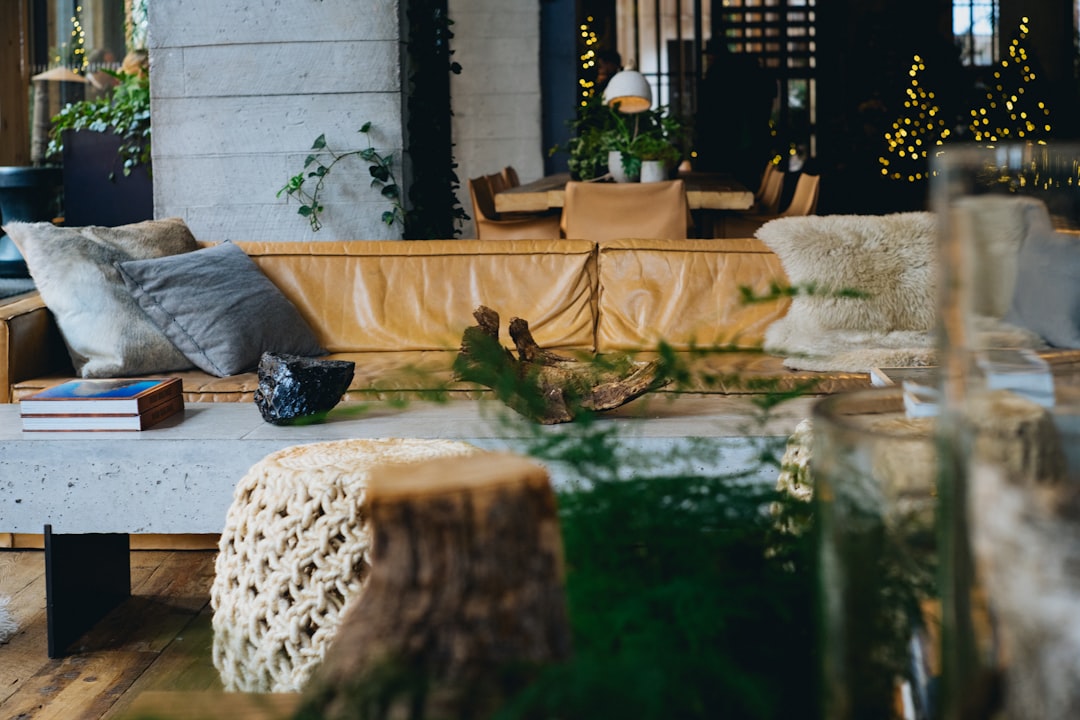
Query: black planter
{"type": "Point", "coordinates": [28, 194]}
{"type": "Point", "coordinates": [96, 191]}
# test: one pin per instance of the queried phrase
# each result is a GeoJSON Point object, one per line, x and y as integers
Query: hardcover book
{"type": "Point", "coordinates": [123, 396]}
{"type": "Point", "coordinates": [169, 406]}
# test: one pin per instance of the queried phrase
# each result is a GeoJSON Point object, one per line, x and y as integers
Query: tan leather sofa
{"type": "Point", "coordinates": [398, 309]}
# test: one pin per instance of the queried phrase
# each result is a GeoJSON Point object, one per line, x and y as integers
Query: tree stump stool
{"type": "Point", "coordinates": [465, 605]}
{"type": "Point", "coordinates": [295, 553]}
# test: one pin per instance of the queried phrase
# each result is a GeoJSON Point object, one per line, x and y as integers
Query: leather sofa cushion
{"type": "Point", "coordinates": [383, 296]}
{"type": "Point", "coordinates": [685, 292]}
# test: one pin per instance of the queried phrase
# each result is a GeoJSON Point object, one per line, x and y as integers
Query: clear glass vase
{"type": "Point", "coordinates": [1009, 430]}
{"type": "Point", "coordinates": [874, 472]}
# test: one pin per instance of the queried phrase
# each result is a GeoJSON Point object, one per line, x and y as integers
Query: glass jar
{"type": "Point", "coordinates": [874, 472]}
{"type": "Point", "coordinates": [1009, 279]}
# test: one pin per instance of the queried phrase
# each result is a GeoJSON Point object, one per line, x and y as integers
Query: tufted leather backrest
{"type": "Point", "coordinates": [363, 296]}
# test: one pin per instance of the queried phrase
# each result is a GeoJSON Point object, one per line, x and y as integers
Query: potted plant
{"type": "Point", "coordinates": [608, 141]}
{"type": "Point", "coordinates": [107, 138]}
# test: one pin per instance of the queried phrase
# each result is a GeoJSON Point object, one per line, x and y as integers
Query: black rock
{"type": "Point", "coordinates": [293, 387]}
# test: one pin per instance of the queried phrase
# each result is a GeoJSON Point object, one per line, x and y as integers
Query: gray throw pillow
{"type": "Point", "coordinates": [217, 306]}
{"type": "Point", "coordinates": [106, 333]}
{"type": "Point", "coordinates": [1046, 299]}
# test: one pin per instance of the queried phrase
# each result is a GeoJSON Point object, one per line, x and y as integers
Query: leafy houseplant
{"type": "Point", "coordinates": [652, 135]}
{"type": "Point", "coordinates": [126, 113]}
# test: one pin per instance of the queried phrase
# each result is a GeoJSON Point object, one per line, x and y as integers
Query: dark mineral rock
{"type": "Point", "coordinates": [293, 387]}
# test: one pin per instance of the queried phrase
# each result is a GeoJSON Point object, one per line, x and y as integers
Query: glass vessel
{"type": "Point", "coordinates": [874, 471]}
{"type": "Point", "coordinates": [1009, 429]}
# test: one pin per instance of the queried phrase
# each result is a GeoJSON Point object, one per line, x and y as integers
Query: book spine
{"type": "Point", "coordinates": [161, 411]}
{"type": "Point", "coordinates": [163, 393]}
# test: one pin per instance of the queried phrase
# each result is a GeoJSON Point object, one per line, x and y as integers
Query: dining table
{"type": "Point", "coordinates": [704, 191]}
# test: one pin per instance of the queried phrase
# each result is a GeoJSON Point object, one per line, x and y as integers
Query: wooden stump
{"type": "Point", "coordinates": [542, 385]}
{"type": "Point", "coordinates": [465, 602]}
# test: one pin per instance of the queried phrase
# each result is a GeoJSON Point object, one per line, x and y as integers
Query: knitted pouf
{"type": "Point", "coordinates": [294, 553]}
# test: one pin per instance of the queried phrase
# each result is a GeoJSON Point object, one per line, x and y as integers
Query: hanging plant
{"type": "Point", "coordinates": [319, 164]}
{"type": "Point", "coordinates": [434, 209]}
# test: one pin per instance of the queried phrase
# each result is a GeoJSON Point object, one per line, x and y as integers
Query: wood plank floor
{"type": "Point", "coordinates": [159, 639]}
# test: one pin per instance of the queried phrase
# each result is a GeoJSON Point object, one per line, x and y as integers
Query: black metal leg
{"type": "Point", "coordinates": [86, 576]}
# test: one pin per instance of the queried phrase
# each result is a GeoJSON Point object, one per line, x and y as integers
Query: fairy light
{"type": "Point", "coordinates": [78, 40]}
{"type": "Point", "coordinates": [1010, 113]}
{"type": "Point", "coordinates": [587, 58]}
{"type": "Point", "coordinates": [78, 59]}
{"type": "Point", "coordinates": [913, 135]}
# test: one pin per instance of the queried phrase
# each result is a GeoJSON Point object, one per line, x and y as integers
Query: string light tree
{"type": "Point", "coordinates": [1013, 111]}
{"type": "Point", "coordinates": [920, 128]}
{"type": "Point", "coordinates": [587, 56]}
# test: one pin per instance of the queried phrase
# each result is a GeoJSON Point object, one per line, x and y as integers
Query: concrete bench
{"type": "Point", "coordinates": [88, 491]}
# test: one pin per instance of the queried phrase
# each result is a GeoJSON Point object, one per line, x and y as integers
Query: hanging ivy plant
{"type": "Point", "coordinates": [435, 211]}
{"type": "Point", "coordinates": [319, 164]}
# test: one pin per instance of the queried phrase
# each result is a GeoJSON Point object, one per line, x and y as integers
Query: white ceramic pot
{"type": "Point", "coordinates": [614, 160]}
{"type": "Point", "coordinates": [653, 171]}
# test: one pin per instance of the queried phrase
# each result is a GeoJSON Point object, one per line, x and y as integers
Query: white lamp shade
{"type": "Point", "coordinates": [630, 90]}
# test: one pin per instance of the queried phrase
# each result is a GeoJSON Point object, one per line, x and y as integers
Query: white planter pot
{"type": "Point", "coordinates": [653, 171]}
{"type": "Point", "coordinates": [614, 160]}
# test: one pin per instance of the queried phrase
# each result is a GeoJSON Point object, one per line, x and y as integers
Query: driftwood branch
{"type": "Point", "coordinates": [542, 385]}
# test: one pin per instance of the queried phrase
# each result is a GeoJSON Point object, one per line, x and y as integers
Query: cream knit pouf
{"type": "Point", "coordinates": [294, 553]}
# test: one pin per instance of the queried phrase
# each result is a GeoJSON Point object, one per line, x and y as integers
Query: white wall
{"type": "Point", "coordinates": [496, 98]}
{"type": "Point", "coordinates": [241, 88]}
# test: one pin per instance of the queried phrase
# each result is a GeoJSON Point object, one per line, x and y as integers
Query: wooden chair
{"type": "Point", "coordinates": [605, 211]}
{"type": "Point", "coordinates": [491, 226]}
{"type": "Point", "coordinates": [510, 176]}
{"type": "Point", "coordinates": [767, 173]}
{"type": "Point", "coordinates": [803, 202]}
{"type": "Point", "coordinates": [497, 182]}
{"type": "Point", "coordinates": [768, 195]}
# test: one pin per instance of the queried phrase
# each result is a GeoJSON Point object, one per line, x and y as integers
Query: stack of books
{"type": "Point", "coordinates": [122, 404]}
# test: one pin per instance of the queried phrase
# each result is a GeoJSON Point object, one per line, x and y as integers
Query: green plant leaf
{"type": "Point", "coordinates": [389, 217]}
{"type": "Point", "coordinates": [365, 127]}
{"type": "Point", "coordinates": [391, 192]}
{"type": "Point", "coordinates": [305, 210]}
{"type": "Point", "coordinates": [320, 142]}
{"type": "Point", "coordinates": [379, 172]}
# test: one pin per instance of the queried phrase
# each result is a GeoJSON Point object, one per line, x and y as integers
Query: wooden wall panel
{"type": "Point", "coordinates": [14, 83]}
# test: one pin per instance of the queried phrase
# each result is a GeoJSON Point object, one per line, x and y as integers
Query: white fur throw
{"type": "Point", "coordinates": [889, 262]}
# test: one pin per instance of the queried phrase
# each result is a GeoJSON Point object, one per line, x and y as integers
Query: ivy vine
{"type": "Point", "coordinates": [434, 208]}
{"type": "Point", "coordinates": [319, 164]}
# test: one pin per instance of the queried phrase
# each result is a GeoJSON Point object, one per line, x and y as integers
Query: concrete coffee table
{"type": "Point", "coordinates": [89, 490]}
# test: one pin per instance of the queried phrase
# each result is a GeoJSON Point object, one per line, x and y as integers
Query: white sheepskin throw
{"type": "Point", "coordinates": [888, 260]}
{"type": "Point", "coordinates": [868, 291]}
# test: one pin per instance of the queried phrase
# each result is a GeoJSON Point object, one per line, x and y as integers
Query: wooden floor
{"type": "Point", "coordinates": [159, 639]}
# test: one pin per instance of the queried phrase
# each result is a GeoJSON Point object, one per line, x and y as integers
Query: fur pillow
{"type": "Point", "coordinates": [867, 282]}
{"type": "Point", "coordinates": [106, 332]}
